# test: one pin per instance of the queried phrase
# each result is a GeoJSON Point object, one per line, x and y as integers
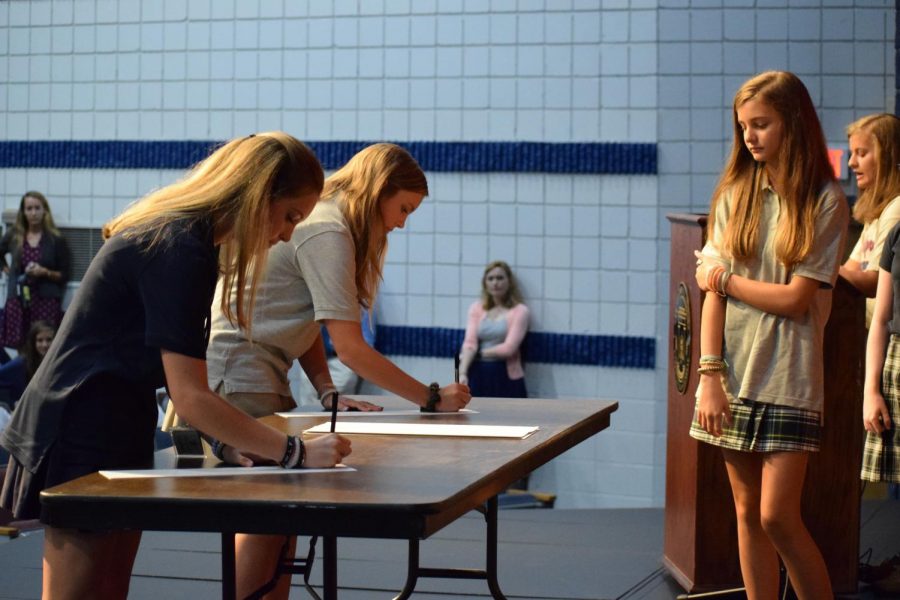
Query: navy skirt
{"type": "Point", "coordinates": [106, 425]}
{"type": "Point", "coordinates": [489, 379]}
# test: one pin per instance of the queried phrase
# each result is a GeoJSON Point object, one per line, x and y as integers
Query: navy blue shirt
{"type": "Point", "coordinates": [132, 303]}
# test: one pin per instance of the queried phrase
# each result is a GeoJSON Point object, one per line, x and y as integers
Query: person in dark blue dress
{"type": "Point", "coordinates": [140, 320]}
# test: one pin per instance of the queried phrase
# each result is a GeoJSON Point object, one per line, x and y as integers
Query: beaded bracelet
{"type": "Point", "coordinates": [710, 358]}
{"type": "Point", "coordinates": [712, 364]}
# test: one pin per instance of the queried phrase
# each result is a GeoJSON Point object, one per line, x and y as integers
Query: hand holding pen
{"type": "Point", "coordinates": [456, 395]}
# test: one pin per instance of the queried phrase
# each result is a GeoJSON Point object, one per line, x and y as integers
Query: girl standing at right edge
{"type": "Point", "coordinates": [775, 240]}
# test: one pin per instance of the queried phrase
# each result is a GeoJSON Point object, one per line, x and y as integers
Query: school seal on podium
{"type": "Point", "coordinates": [681, 339]}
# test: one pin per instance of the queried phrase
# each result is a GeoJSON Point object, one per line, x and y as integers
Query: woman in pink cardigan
{"type": "Point", "coordinates": [490, 362]}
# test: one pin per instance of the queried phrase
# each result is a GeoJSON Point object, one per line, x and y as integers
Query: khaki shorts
{"type": "Point", "coordinates": [254, 404]}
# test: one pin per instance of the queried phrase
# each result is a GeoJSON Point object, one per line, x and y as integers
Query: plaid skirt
{"type": "Point", "coordinates": [761, 427]}
{"type": "Point", "coordinates": [881, 457]}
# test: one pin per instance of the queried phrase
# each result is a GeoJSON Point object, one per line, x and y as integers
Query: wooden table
{"type": "Point", "coordinates": [404, 487]}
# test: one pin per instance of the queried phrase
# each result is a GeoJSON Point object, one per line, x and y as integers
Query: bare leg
{"type": "Point", "coordinates": [82, 565]}
{"type": "Point", "coordinates": [782, 488]}
{"type": "Point", "coordinates": [256, 557]}
{"type": "Point", "coordinates": [759, 561]}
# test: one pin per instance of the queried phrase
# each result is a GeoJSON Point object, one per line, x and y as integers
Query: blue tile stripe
{"type": "Point", "coordinates": [471, 157]}
{"type": "Point", "coordinates": [557, 348]}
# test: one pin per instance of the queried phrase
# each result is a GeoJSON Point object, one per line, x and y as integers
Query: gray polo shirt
{"type": "Point", "coordinates": [773, 359]}
{"type": "Point", "coordinates": [308, 279]}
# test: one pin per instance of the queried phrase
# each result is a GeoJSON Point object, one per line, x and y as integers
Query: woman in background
{"type": "Point", "coordinates": [39, 271]}
{"type": "Point", "coordinates": [490, 358]}
{"type": "Point", "coordinates": [874, 158]}
{"type": "Point", "coordinates": [16, 374]}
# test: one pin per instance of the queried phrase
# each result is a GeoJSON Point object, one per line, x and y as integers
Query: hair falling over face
{"type": "Point", "coordinates": [234, 188]}
{"type": "Point", "coordinates": [372, 175]}
{"type": "Point", "coordinates": [802, 146]}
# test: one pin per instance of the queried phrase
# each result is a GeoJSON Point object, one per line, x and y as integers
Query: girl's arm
{"type": "Point", "coordinates": [314, 363]}
{"type": "Point", "coordinates": [865, 281]}
{"type": "Point", "coordinates": [790, 299]}
{"type": "Point", "coordinates": [470, 343]}
{"type": "Point", "coordinates": [368, 363]}
{"type": "Point", "coordinates": [875, 414]}
{"type": "Point", "coordinates": [198, 405]}
{"type": "Point", "coordinates": [518, 327]}
{"type": "Point", "coordinates": [712, 406]}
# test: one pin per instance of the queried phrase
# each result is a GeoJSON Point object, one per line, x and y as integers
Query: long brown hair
{"type": "Point", "coordinates": [513, 295]}
{"type": "Point", "coordinates": [29, 350]}
{"type": "Point", "coordinates": [20, 227]}
{"type": "Point", "coordinates": [805, 168]}
{"type": "Point", "coordinates": [374, 174]}
{"type": "Point", "coordinates": [234, 188]}
{"type": "Point", "coordinates": [884, 132]}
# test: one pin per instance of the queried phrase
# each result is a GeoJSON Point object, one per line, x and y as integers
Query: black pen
{"type": "Point", "coordinates": [456, 368]}
{"type": "Point", "coordinates": [334, 406]}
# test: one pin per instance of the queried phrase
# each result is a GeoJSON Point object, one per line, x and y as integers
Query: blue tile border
{"type": "Point", "coordinates": [470, 157]}
{"type": "Point", "coordinates": [557, 348]}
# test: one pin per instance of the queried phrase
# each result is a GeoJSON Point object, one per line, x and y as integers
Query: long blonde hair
{"type": "Point", "coordinates": [374, 174]}
{"type": "Point", "coordinates": [513, 295]}
{"type": "Point", "coordinates": [884, 131]}
{"type": "Point", "coordinates": [805, 168]}
{"type": "Point", "coordinates": [233, 188]}
{"type": "Point", "coordinates": [20, 227]}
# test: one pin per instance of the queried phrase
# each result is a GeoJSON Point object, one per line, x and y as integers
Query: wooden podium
{"type": "Point", "coordinates": [700, 548]}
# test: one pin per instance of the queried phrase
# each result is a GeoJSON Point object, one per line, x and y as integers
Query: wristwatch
{"type": "Point", "coordinates": [434, 397]}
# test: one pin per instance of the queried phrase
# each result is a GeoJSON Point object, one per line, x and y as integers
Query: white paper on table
{"type": "Point", "coordinates": [375, 413]}
{"type": "Point", "coordinates": [437, 429]}
{"type": "Point", "coordinates": [216, 472]}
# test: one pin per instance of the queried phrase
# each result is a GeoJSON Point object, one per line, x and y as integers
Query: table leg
{"type": "Point", "coordinates": [329, 567]}
{"type": "Point", "coordinates": [414, 571]}
{"type": "Point", "coordinates": [491, 549]}
{"type": "Point", "coordinates": [229, 591]}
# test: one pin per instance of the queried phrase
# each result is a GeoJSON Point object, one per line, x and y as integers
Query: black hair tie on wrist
{"type": "Point", "coordinates": [434, 398]}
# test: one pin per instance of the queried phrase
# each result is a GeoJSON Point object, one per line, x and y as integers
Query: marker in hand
{"type": "Point", "coordinates": [334, 409]}
{"type": "Point", "coordinates": [456, 368]}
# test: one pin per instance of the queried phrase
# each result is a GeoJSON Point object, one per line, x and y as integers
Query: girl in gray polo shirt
{"type": "Point", "coordinates": [331, 267]}
{"type": "Point", "coordinates": [776, 235]}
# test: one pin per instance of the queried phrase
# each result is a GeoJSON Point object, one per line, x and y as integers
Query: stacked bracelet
{"type": "Point", "coordinates": [711, 363]}
{"type": "Point", "coordinates": [717, 279]}
{"type": "Point", "coordinates": [218, 450]}
{"type": "Point", "coordinates": [294, 453]}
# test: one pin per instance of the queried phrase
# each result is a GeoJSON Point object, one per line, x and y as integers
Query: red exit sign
{"type": "Point", "coordinates": [838, 159]}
